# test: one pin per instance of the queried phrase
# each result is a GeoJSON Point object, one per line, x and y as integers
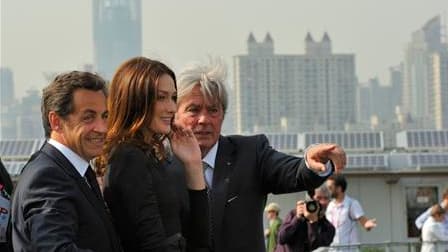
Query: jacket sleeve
{"type": "Point", "coordinates": [49, 215]}
{"type": "Point", "coordinates": [197, 234]}
{"type": "Point", "coordinates": [130, 182]}
{"type": "Point", "coordinates": [293, 229]}
{"type": "Point", "coordinates": [282, 173]}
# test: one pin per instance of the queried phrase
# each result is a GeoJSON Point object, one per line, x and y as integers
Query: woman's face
{"type": "Point", "coordinates": [165, 105]}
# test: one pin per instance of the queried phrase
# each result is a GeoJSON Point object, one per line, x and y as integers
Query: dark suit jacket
{"type": "Point", "coordinates": [54, 209]}
{"type": "Point", "coordinates": [146, 207]}
{"type": "Point", "coordinates": [246, 170]}
{"type": "Point", "coordinates": [5, 180]}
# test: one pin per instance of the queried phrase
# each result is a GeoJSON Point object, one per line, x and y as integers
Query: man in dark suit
{"type": "Point", "coordinates": [241, 170]}
{"type": "Point", "coordinates": [57, 205]}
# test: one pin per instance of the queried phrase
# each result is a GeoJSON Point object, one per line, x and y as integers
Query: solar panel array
{"type": "Point", "coordinates": [351, 141]}
{"type": "Point", "coordinates": [423, 139]}
{"type": "Point", "coordinates": [428, 159]}
{"type": "Point", "coordinates": [285, 142]}
{"type": "Point", "coordinates": [15, 153]}
{"type": "Point", "coordinates": [374, 161]}
{"type": "Point", "coordinates": [14, 167]}
{"type": "Point", "coordinates": [19, 148]}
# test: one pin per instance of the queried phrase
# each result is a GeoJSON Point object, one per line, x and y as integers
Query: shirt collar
{"type": "Point", "coordinates": [210, 158]}
{"type": "Point", "coordinates": [78, 162]}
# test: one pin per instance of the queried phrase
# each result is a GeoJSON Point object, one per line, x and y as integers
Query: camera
{"type": "Point", "coordinates": [312, 206]}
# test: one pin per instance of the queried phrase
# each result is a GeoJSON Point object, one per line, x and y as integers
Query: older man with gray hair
{"type": "Point", "coordinates": [241, 170]}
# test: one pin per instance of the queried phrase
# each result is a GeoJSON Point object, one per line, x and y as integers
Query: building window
{"type": "Point", "coordinates": [418, 199]}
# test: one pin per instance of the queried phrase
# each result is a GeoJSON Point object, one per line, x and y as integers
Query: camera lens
{"type": "Point", "coordinates": [311, 206]}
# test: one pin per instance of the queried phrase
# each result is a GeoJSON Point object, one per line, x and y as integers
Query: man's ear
{"type": "Point", "coordinates": [55, 121]}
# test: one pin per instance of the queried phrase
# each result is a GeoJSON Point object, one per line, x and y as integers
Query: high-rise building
{"type": "Point", "coordinates": [6, 86]}
{"type": "Point", "coordinates": [418, 72]}
{"type": "Point", "coordinates": [376, 100]}
{"type": "Point", "coordinates": [29, 120]}
{"type": "Point", "coordinates": [396, 84]}
{"type": "Point", "coordinates": [294, 93]}
{"type": "Point", "coordinates": [439, 90]}
{"type": "Point", "coordinates": [8, 129]}
{"type": "Point", "coordinates": [116, 33]}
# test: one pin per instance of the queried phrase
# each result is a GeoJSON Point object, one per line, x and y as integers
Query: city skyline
{"type": "Point", "coordinates": [181, 37]}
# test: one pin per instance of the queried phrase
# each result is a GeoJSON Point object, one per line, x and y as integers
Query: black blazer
{"type": "Point", "coordinates": [246, 170]}
{"type": "Point", "coordinates": [145, 204]}
{"type": "Point", "coordinates": [6, 181]}
{"type": "Point", "coordinates": [54, 209]}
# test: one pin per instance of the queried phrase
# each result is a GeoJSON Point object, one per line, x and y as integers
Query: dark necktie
{"type": "Point", "coordinates": [208, 177]}
{"type": "Point", "coordinates": [91, 179]}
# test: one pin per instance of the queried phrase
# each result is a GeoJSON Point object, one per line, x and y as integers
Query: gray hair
{"type": "Point", "coordinates": [323, 189]}
{"type": "Point", "coordinates": [210, 77]}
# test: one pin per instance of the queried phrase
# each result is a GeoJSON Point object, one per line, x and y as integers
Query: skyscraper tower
{"type": "Point", "coordinates": [296, 93]}
{"type": "Point", "coordinates": [116, 33]}
{"type": "Point", "coordinates": [424, 79]}
{"type": "Point", "coordinates": [6, 86]}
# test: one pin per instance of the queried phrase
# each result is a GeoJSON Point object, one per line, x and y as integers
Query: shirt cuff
{"type": "Point", "coordinates": [328, 165]}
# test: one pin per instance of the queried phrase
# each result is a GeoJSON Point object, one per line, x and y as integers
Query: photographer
{"type": "Point", "coordinates": [306, 228]}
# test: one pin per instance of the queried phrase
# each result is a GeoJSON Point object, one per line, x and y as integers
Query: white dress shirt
{"type": "Point", "coordinates": [78, 162]}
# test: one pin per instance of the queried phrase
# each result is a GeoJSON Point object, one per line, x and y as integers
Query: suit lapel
{"type": "Point", "coordinates": [221, 179]}
{"type": "Point", "coordinates": [65, 164]}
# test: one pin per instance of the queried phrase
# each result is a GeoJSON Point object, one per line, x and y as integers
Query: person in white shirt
{"type": "Point", "coordinates": [344, 212]}
{"type": "Point", "coordinates": [434, 236]}
{"type": "Point", "coordinates": [425, 215]}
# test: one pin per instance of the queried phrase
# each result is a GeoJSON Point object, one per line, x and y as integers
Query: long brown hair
{"type": "Point", "coordinates": [132, 94]}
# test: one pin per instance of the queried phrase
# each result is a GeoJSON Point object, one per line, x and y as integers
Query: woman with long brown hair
{"type": "Point", "coordinates": [141, 195]}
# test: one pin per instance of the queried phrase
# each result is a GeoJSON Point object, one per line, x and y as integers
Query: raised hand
{"type": "Point", "coordinates": [318, 155]}
{"type": "Point", "coordinates": [186, 148]}
{"type": "Point", "coordinates": [369, 224]}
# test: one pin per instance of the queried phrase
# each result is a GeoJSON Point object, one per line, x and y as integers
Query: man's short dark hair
{"type": "Point", "coordinates": [339, 180]}
{"type": "Point", "coordinates": [58, 95]}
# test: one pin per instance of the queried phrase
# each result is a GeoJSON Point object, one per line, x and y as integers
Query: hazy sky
{"type": "Point", "coordinates": [56, 35]}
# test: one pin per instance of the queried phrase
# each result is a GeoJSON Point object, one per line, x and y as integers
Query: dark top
{"type": "Point", "coordinates": [298, 235]}
{"type": "Point", "coordinates": [146, 207]}
{"type": "Point", "coordinates": [54, 209]}
{"type": "Point", "coordinates": [5, 179]}
{"type": "Point", "coordinates": [246, 170]}
{"type": "Point", "coordinates": [6, 191]}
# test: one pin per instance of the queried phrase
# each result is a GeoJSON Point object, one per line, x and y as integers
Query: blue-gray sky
{"type": "Point", "coordinates": [56, 35]}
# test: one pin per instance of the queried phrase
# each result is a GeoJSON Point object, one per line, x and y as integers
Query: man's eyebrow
{"type": "Point", "coordinates": [89, 111]}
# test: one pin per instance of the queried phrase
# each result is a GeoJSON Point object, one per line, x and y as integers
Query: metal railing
{"type": "Point", "coordinates": [410, 246]}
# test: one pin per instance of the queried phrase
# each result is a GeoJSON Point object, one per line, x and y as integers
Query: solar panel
{"type": "Point", "coordinates": [429, 159]}
{"type": "Point", "coordinates": [353, 141]}
{"type": "Point", "coordinates": [423, 139]}
{"type": "Point", "coordinates": [14, 167]}
{"type": "Point", "coordinates": [19, 148]}
{"type": "Point", "coordinates": [374, 161]}
{"type": "Point", "coordinates": [286, 141]}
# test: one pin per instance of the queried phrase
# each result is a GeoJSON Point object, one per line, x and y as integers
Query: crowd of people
{"type": "Point", "coordinates": [141, 165]}
{"type": "Point", "coordinates": [334, 222]}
